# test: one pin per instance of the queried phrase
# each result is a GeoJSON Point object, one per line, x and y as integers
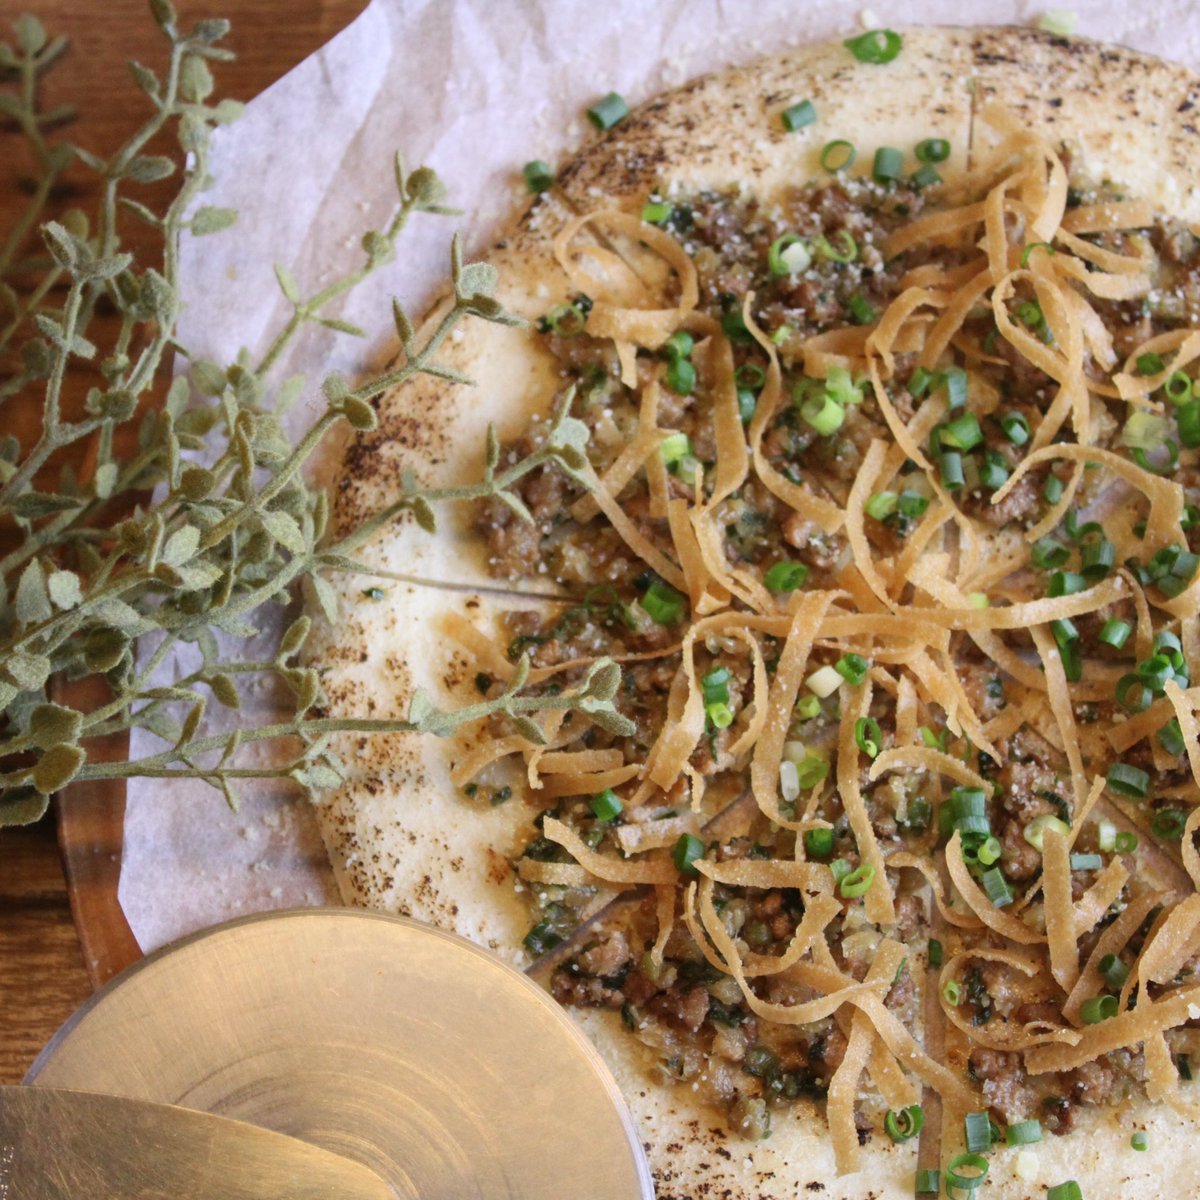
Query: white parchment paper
{"type": "Point", "coordinates": [474, 88]}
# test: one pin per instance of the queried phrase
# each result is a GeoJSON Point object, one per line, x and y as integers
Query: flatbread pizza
{"type": "Point", "coordinates": [887, 355]}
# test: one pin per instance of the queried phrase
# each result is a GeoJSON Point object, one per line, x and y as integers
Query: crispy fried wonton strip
{"type": "Point", "coordinates": [1059, 695]}
{"type": "Point", "coordinates": [860, 493]}
{"type": "Point", "coordinates": [994, 918]}
{"type": "Point", "coordinates": [589, 783]}
{"type": "Point", "coordinates": [558, 874]}
{"type": "Point", "coordinates": [733, 459]}
{"type": "Point", "coordinates": [602, 866]}
{"type": "Point", "coordinates": [633, 537]}
{"type": "Point", "coordinates": [953, 916]}
{"type": "Point", "coordinates": [623, 468]}
{"type": "Point", "coordinates": [1060, 915]}
{"type": "Point", "coordinates": [924, 758]}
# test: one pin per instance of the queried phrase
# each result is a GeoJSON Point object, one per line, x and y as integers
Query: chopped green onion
{"type": "Point", "coordinates": [679, 345]}
{"type": "Point", "coordinates": [935, 952]}
{"type": "Point", "coordinates": [566, 320]}
{"type": "Point", "coordinates": [881, 505]}
{"type": "Point", "coordinates": [963, 432]}
{"type": "Point", "coordinates": [989, 852]}
{"type": "Point", "coordinates": [1187, 416]}
{"type": "Point", "coordinates": [954, 380]}
{"type": "Point", "coordinates": [842, 388]}
{"type": "Point", "coordinates": [788, 255]}
{"type": "Point", "coordinates": [1064, 631]}
{"type": "Point", "coordinates": [875, 46]}
{"type": "Point", "coordinates": [996, 886]}
{"type": "Point", "coordinates": [1126, 842]}
{"type": "Point", "coordinates": [887, 165]}
{"type": "Point", "coordinates": [840, 868]}
{"type": "Point", "coordinates": [905, 1123]}
{"type": "Point", "coordinates": [857, 883]}
{"type": "Point", "coordinates": [606, 806]}
{"type": "Point", "coordinates": [785, 576]}
{"type": "Point", "coordinates": [1099, 1008]}
{"type": "Point", "coordinates": [810, 771]}
{"type": "Point", "coordinates": [1065, 583]}
{"type": "Point", "coordinates": [852, 668]}
{"type": "Point", "coordinates": [838, 156]}
{"type": "Point", "coordinates": [932, 150]}
{"type": "Point", "coordinates": [1052, 489]}
{"type": "Point", "coordinates": [663, 603]}
{"type": "Point", "coordinates": [605, 113]}
{"type": "Point", "coordinates": [538, 176]}
{"type": "Point", "coordinates": [687, 850]}
{"type": "Point", "coordinates": [719, 714]}
{"type": "Point", "coordinates": [848, 252]}
{"type": "Point", "coordinates": [912, 504]}
{"type": "Point", "coordinates": [1115, 632]}
{"type": "Point", "coordinates": [1168, 823]}
{"type": "Point", "coordinates": [1016, 428]}
{"type": "Point", "coordinates": [926, 176]}
{"type": "Point", "coordinates": [1106, 836]}
{"type": "Point", "coordinates": [674, 447]}
{"type": "Point", "coordinates": [1150, 364]}
{"type": "Point", "coordinates": [747, 404]}
{"type": "Point", "coordinates": [952, 992]}
{"type": "Point", "coordinates": [951, 465]}
{"type": "Point", "coordinates": [798, 115]}
{"type": "Point", "coordinates": [1035, 832]}
{"type": "Point", "coordinates": [1115, 972]}
{"type": "Point", "coordinates": [1086, 862]}
{"type": "Point", "coordinates": [1049, 555]}
{"type": "Point", "coordinates": [1178, 387]}
{"type": "Point", "coordinates": [1170, 737]}
{"type": "Point", "coordinates": [1139, 1141]}
{"type": "Point", "coordinates": [1144, 430]}
{"type": "Point", "coordinates": [929, 1182]}
{"type": "Point", "coordinates": [750, 375]}
{"type": "Point", "coordinates": [1069, 1190]}
{"type": "Point", "coordinates": [918, 382]}
{"type": "Point", "coordinates": [1027, 253]}
{"type": "Point", "coordinates": [824, 414]}
{"type": "Point", "coordinates": [977, 1131]}
{"type": "Point", "coordinates": [1097, 559]}
{"type": "Point", "coordinates": [1024, 1133]}
{"type": "Point", "coordinates": [818, 842]}
{"type": "Point", "coordinates": [1029, 312]}
{"type": "Point", "coordinates": [733, 326]}
{"type": "Point", "coordinates": [861, 310]}
{"type": "Point", "coordinates": [954, 1176]}
{"type": "Point", "coordinates": [1126, 780]}
{"type": "Point", "coordinates": [1132, 694]}
{"type": "Point", "coordinates": [807, 707]}
{"type": "Point", "coordinates": [994, 472]}
{"type": "Point", "coordinates": [681, 376]}
{"type": "Point", "coordinates": [868, 736]}
{"type": "Point", "coordinates": [657, 212]}
{"type": "Point", "coordinates": [542, 938]}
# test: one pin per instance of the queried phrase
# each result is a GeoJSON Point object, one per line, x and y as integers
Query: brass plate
{"type": "Point", "coordinates": [405, 1048]}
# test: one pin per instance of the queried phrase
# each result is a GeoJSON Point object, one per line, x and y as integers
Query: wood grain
{"type": "Point", "coordinates": [43, 975]}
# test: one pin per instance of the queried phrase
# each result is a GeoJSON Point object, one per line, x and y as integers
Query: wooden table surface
{"type": "Point", "coordinates": [42, 974]}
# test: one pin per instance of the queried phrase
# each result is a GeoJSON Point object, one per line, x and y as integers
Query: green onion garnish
{"type": "Point", "coordinates": [838, 156]}
{"type": "Point", "coordinates": [857, 882]}
{"type": "Point", "coordinates": [963, 432]}
{"type": "Point", "coordinates": [750, 375]}
{"type": "Point", "coordinates": [1139, 1141]}
{"type": "Point", "coordinates": [989, 852]}
{"type": "Point", "coordinates": [875, 46]}
{"type": "Point", "coordinates": [929, 1182]}
{"type": "Point", "coordinates": [918, 382]}
{"type": "Point", "coordinates": [538, 176]}
{"type": "Point", "coordinates": [952, 992]}
{"type": "Point", "coordinates": [1099, 1008]}
{"type": "Point", "coordinates": [1065, 583]}
{"type": "Point", "coordinates": [935, 952]}
{"type": "Point", "coordinates": [925, 176]}
{"type": "Point", "coordinates": [605, 113]}
{"type": "Point", "coordinates": [1126, 842]}
{"type": "Point", "coordinates": [818, 842]}
{"type": "Point", "coordinates": [673, 448]}
{"type": "Point", "coordinates": [1115, 633]}
{"type": "Point", "coordinates": [1024, 1133]}
{"type": "Point", "coordinates": [1132, 694]}
{"type": "Point", "coordinates": [1016, 428]}
{"type": "Point", "coordinates": [848, 251]}
{"type": "Point", "coordinates": [798, 115]}
{"type": "Point", "coordinates": [881, 505]}
{"type": "Point", "coordinates": [1027, 253]}
{"type": "Point", "coordinates": [954, 379]}
{"type": "Point", "coordinates": [912, 504]}
{"type": "Point", "coordinates": [687, 850]}
{"type": "Point", "coordinates": [606, 806]}
{"type": "Point", "coordinates": [852, 668]}
{"type": "Point", "coordinates": [1168, 823]}
{"type": "Point", "coordinates": [954, 1176]}
{"type": "Point", "coordinates": [905, 1123]}
{"type": "Point", "coordinates": [951, 465]}
{"type": "Point", "coordinates": [541, 938]}
{"type": "Point", "coordinates": [1052, 489]}
{"type": "Point", "coordinates": [719, 714]}
{"type": "Point", "coordinates": [1086, 862]}
{"type": "Point", "coordinates": [807, 707]}
{"type": "Point", "coordinates": [1170, 737]}
{"type": "Point", "coordinates": [810, 771]}
{"type": "Point", "coordinates": [823, 413]}
{"type": "Point", "coordinates": [663, 603]}
{"type": "Point", "coordinates": [862, 312]}
{"type": "Point", "coordinates": [1065, 1191]}
{"type": "Point", "coordinates": [657, 212]}
{"type": "Point", "coordinates": [933, 150]}
{"type": "Point", "coordinates": [996, 886]}
{"type": "Point", "coordinates": [1150, 364]}
{"type": "Point", "coordinates": [887, 165]}
{"type": "Point", "coordinates": [785, 576]}
{"type": "Point", "coordinates": [977, 1131]}
{"type": "Point", "coordinates": [1115, 972]}
{"type": "Point", "coordinates": [681, 376]}
{"type": "Point", "coordinates": [994, 472]}
{"type": "Point", "coordinates": [1127, 780]}
{"type": "Point", "coordinates": [566, 320]}
{"type": "Point", "coordinates": [868, 736]}
{"type": "Point", "coordinates": [1178, 387]}
{"type": "Point", "coordinates": [1188, 418]}
{"type": "Point", "coordinates": [788, 255]}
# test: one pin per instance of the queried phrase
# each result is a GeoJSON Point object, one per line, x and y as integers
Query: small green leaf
{"type": "Point", "coordinates": [163, 12]}
{"type": "Point", "coordinates": [603, 680]}
{"type": "Point", "coordinates": [61, 244]}
{"type": "Point", "coordinates": [530, 730]}
{"type": "Point", "coordinates": [335, 388]}
{"type": "Point", "coordinates": [197, 483]}
{"type": "Point", "coordinates": [284, 530]}
{"type": "Point", "coordinates": [493, 447]}
{"type": "Point", "coordinates": [144, 78]}
{"type": "Point", "coordinates": [104, 648]}
{"type": "Point", "coordinates": [340, 326]}
{"type": "Point", "coordinates": [22, 806]}
{"type": "Point", "coordinates": [404, 327]}
{"type": "Point", "coordinates": [478, 279]}
{"type": "Point", "coordinates": [57, 767]}
{"type": "Point", "coordinates": [326, 598]}
{"type": "Point", "coordinates": [294, 637]}
{"type": "Point", "coordinates": [53, 724]}
{"type": "Point", "coordinates": [32, 599]}
{"type": "Point", "coordinates": [361, 415]}
{"type": "Point", "coordinates": [209, 378]}
{"type": "Point", "coordinates": [195, 79]}
{"type": "Point", "coordinates": [105, 480]}
{"type": "Point", "coordinates": [420, 708]}
{"type": "Point", "coordinates": [31, 34]}
{"type": "Point", "coordinates": [181, 546]}
{"type": "Point", "coordinates": [424, 515]}
{"type": "Point", "coordinates": [211, 219]}
{"type": "Point", "coordinates": [149, 168]}
{"type": "Point", "coordinates": [227, 111]}
{"type": "Point", "coordinates": [191, 723]}
{"type": "Point", "coordinates": [32, 505]}
{"type": "Point", "coordinates": [64, 588]}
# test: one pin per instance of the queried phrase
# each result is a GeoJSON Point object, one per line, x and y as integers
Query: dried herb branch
{"type": "Point", "coordinates": [234, 530]}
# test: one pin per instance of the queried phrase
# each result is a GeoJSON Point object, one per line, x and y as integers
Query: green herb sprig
{"type": "Point", "coordinates": [234, 531]}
